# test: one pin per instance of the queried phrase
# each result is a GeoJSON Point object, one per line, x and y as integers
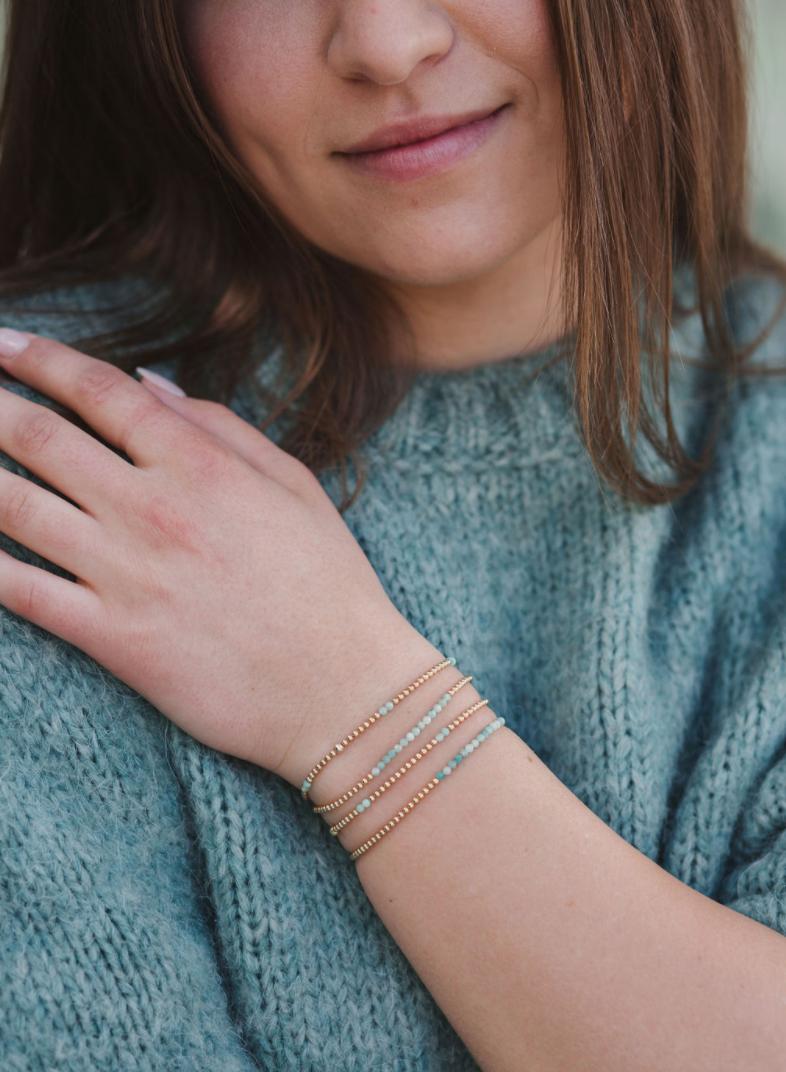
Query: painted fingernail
{"type": "Point", "coordinates": [160, 381]}
{"type": "Point", "coordinates": [12, 342]}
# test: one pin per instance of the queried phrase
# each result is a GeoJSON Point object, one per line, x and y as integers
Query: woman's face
{"type": "Point", "coordinates": [295, 84]}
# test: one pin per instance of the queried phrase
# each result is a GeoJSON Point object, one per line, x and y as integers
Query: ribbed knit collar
{"type": "Point", "coordinates": [489, 412]}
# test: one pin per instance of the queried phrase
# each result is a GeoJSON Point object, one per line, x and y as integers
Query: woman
{"type": "Point", "coordinates": [459, 244]}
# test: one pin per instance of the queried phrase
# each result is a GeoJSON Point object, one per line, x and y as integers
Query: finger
{"type": "Point", "coordinates": [108, 400]}
{"type": "Point", "coordinates": [253, 446]}
{"type": "Point", "coordinates": [48, 525]}
{"type": "Point", "coordinates": [62, 455]}
{"type": "Point", "coordinates": [68, 610]}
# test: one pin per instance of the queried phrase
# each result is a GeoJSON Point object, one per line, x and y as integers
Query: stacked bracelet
{"type": "Point", "coordinates": [397, 748]}
{"type": "Point", "coordinates": [408, 738]}
{"type": "Point", "coordinates": [441, 775]}
{"type": "Point", "coordinates": [305, 789]}
{"type": "Point", "coordinates": [440, 736]}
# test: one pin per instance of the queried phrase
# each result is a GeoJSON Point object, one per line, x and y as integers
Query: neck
{"type": "Point", "coordinates": [514, 308]}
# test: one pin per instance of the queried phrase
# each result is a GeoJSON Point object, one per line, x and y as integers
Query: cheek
{"type": "Point", "coordinates": [254, 67]}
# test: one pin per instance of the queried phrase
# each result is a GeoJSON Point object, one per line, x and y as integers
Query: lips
{"type": "Point", "coordinates": [415, 130]}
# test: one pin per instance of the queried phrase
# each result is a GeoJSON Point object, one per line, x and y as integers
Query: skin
{"type": "Point", "coordinates": [523, 917]}
{"type": "Point", "coordinates": [472, 253]}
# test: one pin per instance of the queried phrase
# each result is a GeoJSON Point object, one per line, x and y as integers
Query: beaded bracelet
{"type": "Point", "coordinates": [394, 751]}
{"type": "Point", "coordinates": [441, 775]}
{"type": "Point", "coordinates": [305, 789]}
{"type": "Point", "coordinates": [440, 736]}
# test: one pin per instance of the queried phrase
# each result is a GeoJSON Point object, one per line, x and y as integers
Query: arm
{"type": "Point", "coordinates": [549, 942]}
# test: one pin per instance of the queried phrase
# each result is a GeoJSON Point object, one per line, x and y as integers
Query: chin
{"type": "Point", "coordinates": [435, 265]}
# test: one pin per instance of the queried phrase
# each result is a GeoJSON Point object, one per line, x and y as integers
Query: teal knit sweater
{"type": "Point", "coordinates": [165, 906]}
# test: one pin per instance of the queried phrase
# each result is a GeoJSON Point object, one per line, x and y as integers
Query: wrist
{"type": "Point", "coordinates": [395, 658]}
{"type": "Point", "coordinates": [401, 663]}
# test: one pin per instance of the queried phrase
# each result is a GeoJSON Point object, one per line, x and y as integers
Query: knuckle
{"type": "Point", "coordinates": [34, 600]}
{"type": "Point", "coordinates": [32, 434]}
{"type": "Point", "coordinates": [209, 461]}
{"type": "Point", "coordinates": [97, 382]}
{"type": "Point", "coordinates": [167, 526]}
{"type": "Point", "coordinates": [19, 508]}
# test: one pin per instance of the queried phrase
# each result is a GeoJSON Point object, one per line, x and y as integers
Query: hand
{"type": "Point", "coordinates": [214, 574]}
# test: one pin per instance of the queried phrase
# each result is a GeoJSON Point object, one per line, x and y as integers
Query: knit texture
{"type": "Point", "coordinates": [165, 906]}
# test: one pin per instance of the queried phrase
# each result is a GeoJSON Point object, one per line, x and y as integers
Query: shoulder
{"type": "Point", "coordinates": [70, 313]}
{"type": "Point", "coordinates": [756, 307]}
{"type": "Point", "coordinates": [79, 309]}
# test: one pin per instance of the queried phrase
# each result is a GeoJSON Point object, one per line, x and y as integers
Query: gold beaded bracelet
{"type": "Point", "coordinates": [410, 763]}
{"type": "Point", "coordinates": [308, 782]}
{"type": "Point", "coordinates": [382, 763]}
{"type": "Point", "coordinates": [393, 822]}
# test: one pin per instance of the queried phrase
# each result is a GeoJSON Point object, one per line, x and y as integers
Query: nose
{"type": "Point", "coordinates": [383, 41]}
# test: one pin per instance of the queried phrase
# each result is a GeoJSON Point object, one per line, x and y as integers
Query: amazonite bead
{"type": "Point", "coordinates": [375, 771]}
{"type": "Point", "coordinates": [446, 770]}
{"type": "Point", "coordinates": [397, 748]}
{"type": "Point", "coordinates": [410, 736]}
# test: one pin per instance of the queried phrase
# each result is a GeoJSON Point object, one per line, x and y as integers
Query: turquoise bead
{"type": "Point", "coordinates": [397, 748]}
{"type": "Point", "coordinates": [305, 786]}
{"type": "Point", "coordinates": [440, 775]}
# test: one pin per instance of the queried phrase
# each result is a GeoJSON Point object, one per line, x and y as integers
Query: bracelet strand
{"type": "Point", "coordinates": [363, 805]}
{"type": "Point", "coordinates": [441, 775]}
{"type": "Point", "coordinates": [394, 751]}
{"type": "Point", "coordinates": [308, 782]}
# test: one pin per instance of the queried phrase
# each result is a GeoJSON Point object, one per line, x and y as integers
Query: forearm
{"type": "Point", "coordinates": [547, 940]}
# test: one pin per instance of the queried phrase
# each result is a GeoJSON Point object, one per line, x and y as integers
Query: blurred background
{"type": "Point", "coordinates": [768, 115]}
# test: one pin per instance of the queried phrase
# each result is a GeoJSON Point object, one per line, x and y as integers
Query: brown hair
{"type": "Point", "coordinates": [109, 164]}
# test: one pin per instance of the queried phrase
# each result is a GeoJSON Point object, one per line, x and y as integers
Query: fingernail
{"type": "Point", "coordinates": [12, 342]}
{"type": "Point", "coordinates": [159, 381]}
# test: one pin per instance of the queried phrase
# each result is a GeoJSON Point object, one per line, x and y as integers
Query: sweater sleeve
{"type": "Point", "coordinates": [107, 956]}
{"type": "Point", "coordinates": [744, 754]}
